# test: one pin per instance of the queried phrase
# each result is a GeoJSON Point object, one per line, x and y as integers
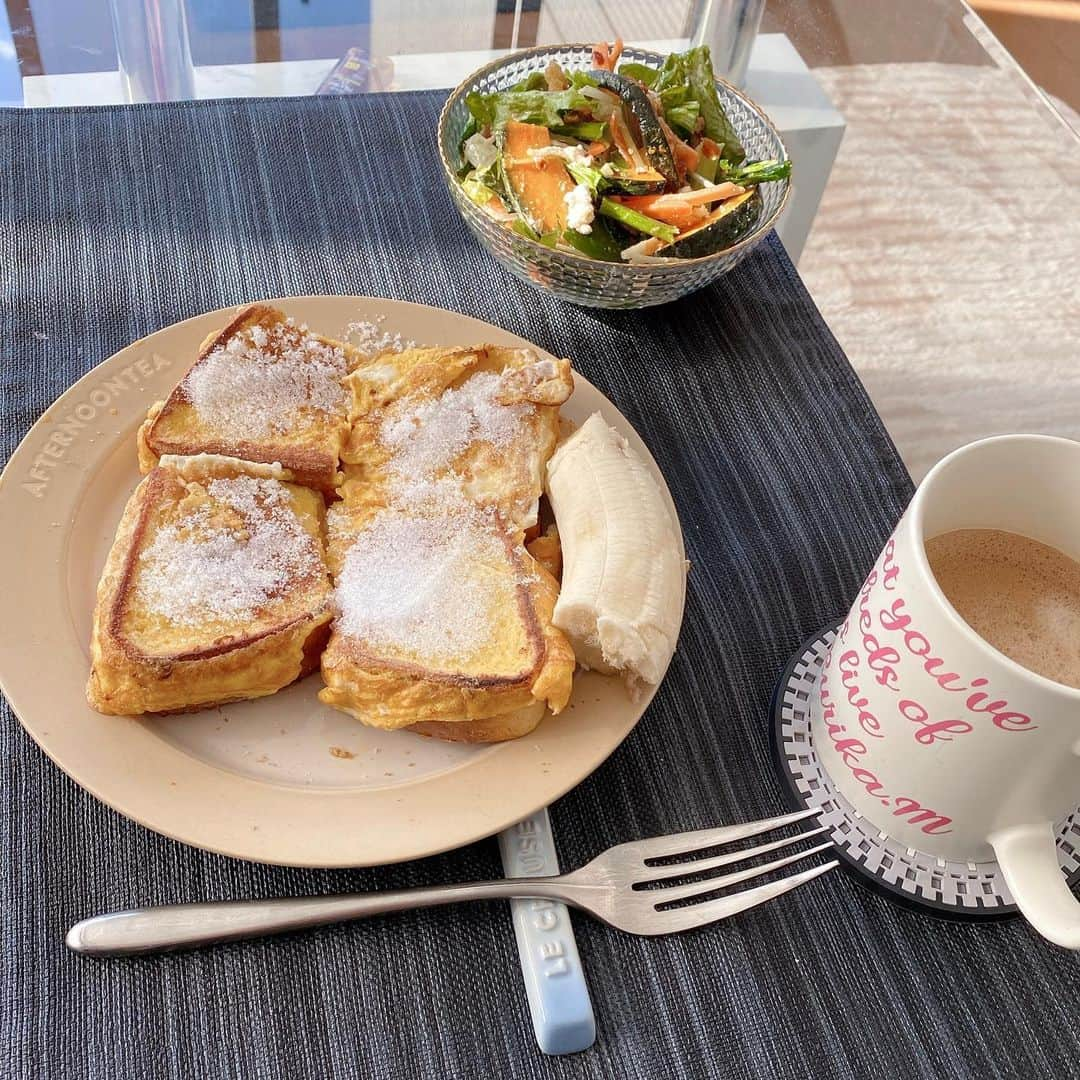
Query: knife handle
{"type": "Point", "coordinates": [555, 985]}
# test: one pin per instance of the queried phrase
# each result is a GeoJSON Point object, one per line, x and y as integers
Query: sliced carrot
{"type": "Point", "coordinates": [597, 149]}
{"type": "Point", "coordinates": [680, 214]}
{"type": "Point", "coordinates": [497, 209]}
{"type": "Point", "coordinates": [683, 209]}
{"type": "Point", "coordinates": [685, 155]}
{"type": "Point", "coordinates": [701, 197]}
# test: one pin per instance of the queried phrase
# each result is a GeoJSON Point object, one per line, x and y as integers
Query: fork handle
{"type": "Point", "coordinates": [180, 926]}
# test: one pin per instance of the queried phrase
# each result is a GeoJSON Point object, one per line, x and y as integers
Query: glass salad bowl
{"type": "Point", "coordinates": [573, 276]}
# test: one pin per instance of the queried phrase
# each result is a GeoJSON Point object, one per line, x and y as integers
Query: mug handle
{"type": "Point", "coordinates": [1027, 855]}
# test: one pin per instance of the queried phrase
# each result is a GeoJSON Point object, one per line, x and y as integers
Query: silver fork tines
{"type": "Point", "coordinates": [628, 868]}
{"type": "Point", "coordinates": [708, 885]}
{"type": "Point", "coordinates": [687, 843]}
{"type": "Point", "coordinates": [698, 866]}
{"type": "Point", "coordinates": [613, 887]}
{"type": "Point", "coordinates": [690, 918]}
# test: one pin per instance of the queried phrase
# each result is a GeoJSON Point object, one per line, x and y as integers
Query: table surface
{"type": "Point", "coordinates": [786, 487]}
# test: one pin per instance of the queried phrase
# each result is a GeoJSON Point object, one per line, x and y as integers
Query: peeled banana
{"type": "Point", "coordinates": [623, 581]}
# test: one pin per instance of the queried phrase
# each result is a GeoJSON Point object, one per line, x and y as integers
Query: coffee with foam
{"type": "Point", "coordinates": [1019, 595]}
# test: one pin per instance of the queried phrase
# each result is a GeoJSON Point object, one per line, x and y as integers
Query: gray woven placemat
{"type": "Point", "coordinates": [116, 222]}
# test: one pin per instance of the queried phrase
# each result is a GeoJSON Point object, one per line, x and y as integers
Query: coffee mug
{"type": "Point", "coordinates": [936, 738]}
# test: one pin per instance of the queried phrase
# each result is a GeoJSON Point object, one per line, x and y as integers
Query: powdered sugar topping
{"type": "Point", "coordinates": [371, 338]}
{"type": "Point", "coordinates": [426, 436]}
{"type": "Point", "coordinates": [425, 574]}
{"type": "Point", "coordinates": [229, 558]}
{"type": "Point", "coordinates": [256, 384]}
{"type": "Point", "coordinates": [411, 583]}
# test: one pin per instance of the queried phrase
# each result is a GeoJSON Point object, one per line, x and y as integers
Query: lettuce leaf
{"type": "Point", "coordinates": [477, 191]}
{"type": "Point", "coordinates": [672, 74]}
{"type": "Point", "coordinates": [578, 79]}
{"type": "Point", "coordinates": [674, 95]}
{"type": "Point", "coordinates": [535, 81]}
{"type": "Point", "coordinates": [642, 72]}
{"type": "Point", "coordinates": [529, 106]}
{"type": "Point", "coordinates": [684, 117]}
{"type": "Point", "coordinates": [702, 82]}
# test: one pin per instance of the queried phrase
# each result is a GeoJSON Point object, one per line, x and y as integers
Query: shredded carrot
{"type": "Point", "coordinates": [606, 56]}
{"type": "Point", "coordinates": [497, 209]}
{"type": "Point", "coordinates": [680, 214]}
{"type": "Point", "coordinates": [685, 156]}
{"type": "Point", "coordinates": [683, 209]}
{"type": "Point", "coordinates": [649, 204]}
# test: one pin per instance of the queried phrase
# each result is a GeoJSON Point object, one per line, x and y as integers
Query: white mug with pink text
{"type": "Point", "coordinates": [936, 738]}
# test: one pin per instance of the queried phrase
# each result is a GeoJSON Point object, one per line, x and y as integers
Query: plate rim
{"type": "Point", "coordinates": [60, 749]}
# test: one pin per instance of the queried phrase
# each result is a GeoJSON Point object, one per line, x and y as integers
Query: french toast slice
{"type": "Point", "coordinates": [215, 589]}
{"type": "Point", "coordinates": [500, 728]}
{"type": "Point", "coordinates": [485, 416]}
{"type": "Point", "coordinates": [262, 389]}
{"type": "Point", "coordinates": [443, 619]}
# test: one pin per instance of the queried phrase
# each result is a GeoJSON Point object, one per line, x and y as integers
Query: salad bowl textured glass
{"type": "Point", "coordinates": [571, 275]}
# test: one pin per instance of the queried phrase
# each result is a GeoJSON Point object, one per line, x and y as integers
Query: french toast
{"type": "Point", "coordinates": [215, 589]}
{"type": "Point", "coordinates": [440, 618]}
{"type": "Point", "coordinates": [443, 619]}
{"type": "Point", "coordinates": [262, 389]}
{"type": "Point", "coordinates": [485, 416]}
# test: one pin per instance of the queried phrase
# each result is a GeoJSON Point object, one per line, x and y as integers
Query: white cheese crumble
{"type": "Point", "coordinates": [568, 152]}
{"type": "Point", "coordinates": [580, 206]}
{"type": "Point", "coordinates": [480, 152]}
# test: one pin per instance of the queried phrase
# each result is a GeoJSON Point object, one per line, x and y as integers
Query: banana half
{"type": "Point", "coordinates": [623, 575]}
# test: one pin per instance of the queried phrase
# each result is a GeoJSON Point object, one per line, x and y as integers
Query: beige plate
{"type": "Point", "coordinates": [285, 779]}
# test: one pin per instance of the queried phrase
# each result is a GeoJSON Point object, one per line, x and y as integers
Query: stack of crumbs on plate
{"type": "Point", "coordinates": [218, 585]}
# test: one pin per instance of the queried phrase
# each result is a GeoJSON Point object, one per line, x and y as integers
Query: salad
{"type": "Point", "coordinates": [623, 163]}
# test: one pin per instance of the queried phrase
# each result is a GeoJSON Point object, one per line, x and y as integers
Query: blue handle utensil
{"type": "Point", "coordinates": [558, 997]}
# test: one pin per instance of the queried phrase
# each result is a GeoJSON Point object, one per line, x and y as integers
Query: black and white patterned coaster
{"type": "Point", "coordinates": [964, 890]}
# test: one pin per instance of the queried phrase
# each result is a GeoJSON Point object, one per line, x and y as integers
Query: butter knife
{"type": "Point", "coordinates": [555, 985]}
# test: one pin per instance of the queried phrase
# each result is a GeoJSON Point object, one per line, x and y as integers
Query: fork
{"type": "Point", "coordinates": [610, 888]}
